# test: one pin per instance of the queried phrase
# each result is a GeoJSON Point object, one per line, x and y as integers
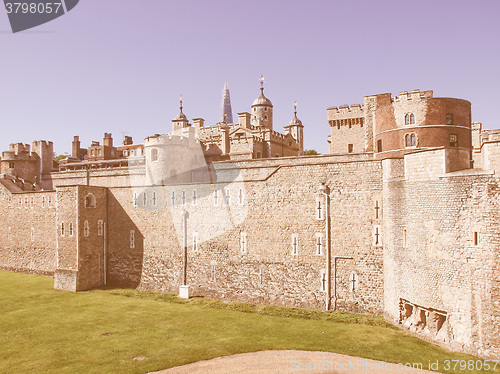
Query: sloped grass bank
{"type": "Point", "coordinates": [43, 330]}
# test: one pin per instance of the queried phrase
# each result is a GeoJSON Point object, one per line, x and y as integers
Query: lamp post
{"type": "Point", "coordinates": [325, 190]}
{"type": "Point", "coordinates": [184, 288]}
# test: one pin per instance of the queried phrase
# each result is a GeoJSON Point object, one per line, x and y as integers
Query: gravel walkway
{"type": "Point", "coordinates": [290, 362]}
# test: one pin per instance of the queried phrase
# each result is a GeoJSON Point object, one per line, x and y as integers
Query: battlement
{"type": "Point", "coordinates": [414, 95]}
{"type": "Point", "coordinates": [17, 148]}
{"type": "Point", "coordinates": [42, 144]}
{"type": "Point", "coordinates": [346, 109]}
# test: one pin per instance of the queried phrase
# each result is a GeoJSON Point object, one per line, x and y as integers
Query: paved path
{"type": "Point", "coordinates": [290, 362]}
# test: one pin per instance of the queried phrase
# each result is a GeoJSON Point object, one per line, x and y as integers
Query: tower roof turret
{"type": "Point", "coordinates": [295, 121]}
{"type": "Point", "coordinates": [262, 100]}
{"type": "Point", "coordinates": [181, 116]}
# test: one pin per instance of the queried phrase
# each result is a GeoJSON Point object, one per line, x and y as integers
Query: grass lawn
{"type": "Point", "coordinates": [45, 330]}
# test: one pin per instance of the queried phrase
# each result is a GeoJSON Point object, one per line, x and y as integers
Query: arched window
{"type": "Point", "coordinates": [90, 201]}
{"type": "Point", "coordinates": [410, 140]}
{"type": "Point", "coordinates": [407, 119]}
{"type": "Point", "coordinates": [154, 154]}
{"type": "Point", "coordinates": [412, 119]}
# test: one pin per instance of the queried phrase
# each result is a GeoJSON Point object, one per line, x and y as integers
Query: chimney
{"type": "Point", "coordinates": [226, 144]}
{"type": "Point", "coordinates": [198, 124]}
{"type": "Point", "coordinates": [127, 140]}
{"type": "Point", "coordinates": [244, 119]}
{"type": "Point", "coordinates": [108, 140]}
{"type": "Point", "coordinates": [75, 153]}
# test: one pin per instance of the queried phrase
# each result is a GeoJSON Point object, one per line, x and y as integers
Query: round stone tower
{"type": "Point", "coordinates": [262, 110]}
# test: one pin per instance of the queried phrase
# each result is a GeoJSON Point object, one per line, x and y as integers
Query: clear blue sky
{"type": "Point", "coordinates": [119, 66]}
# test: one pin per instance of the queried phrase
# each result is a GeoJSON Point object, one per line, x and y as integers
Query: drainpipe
{"type": "Point", "coordinates": [105, 249]}
{"type": "Point", "coordinates": [325, 190]}
{"type": "Point", "coordinates": [184, 247]}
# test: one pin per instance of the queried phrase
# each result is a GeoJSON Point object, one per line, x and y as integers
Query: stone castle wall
{"type": "Point", "coordinates": [441, 254]}
{"type": "Point", "coordinates": [27, 231]}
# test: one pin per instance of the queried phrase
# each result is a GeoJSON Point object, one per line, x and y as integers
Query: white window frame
{"type": "Point", "coordinates": [153, 199]}
{"type": "Point", "coordinates": [195, 241]}
{"type": "Point", "coordinates": [132, 239]}
{"type": "Point", "coordinates": [319, 209]}
{"type": "Point", "coordinates": [135, 202]}
{"type": "Point", "coordinates": [194, 200]}
{"type": "Point", "coordinates": [227, 196]}
{"type": "Point", "coordinates": [216, 197]}
{"type": "Point", "coordinates": [318, 244]}
{"type": "Point", "coordinates": [241, 197]}
{"type": "Point", "coordinates": [100, 227]}
{"type": "Point", "coordinates": [172, 198]}
{"type": "Point", "coordinates": [243, 242]}
{"type": "Point", "coordinates": [86, 228]}
{"type": "Point", "coordinates": [295, 244]}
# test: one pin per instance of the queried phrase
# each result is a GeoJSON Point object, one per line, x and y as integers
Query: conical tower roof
{"type": "Point", "coordinates": [226, 113]}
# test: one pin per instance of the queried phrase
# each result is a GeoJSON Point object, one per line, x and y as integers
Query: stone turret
{"type": "Point", "coordinates": [181, 120]}
{"type": "Point", "coordinates": [296, 129]}
{"type": "Point", "coordinates": [262, 110]}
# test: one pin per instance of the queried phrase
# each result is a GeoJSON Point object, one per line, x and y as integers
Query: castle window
{"type": "Point", "coordinates": [86, 228]}
{"type": "Point", "coordinates": [50, 201]}
{"type": "Point", "coordinates": [353, 282]}
{"type": "Point", "coordinates": [319, 209]}
{"type": "Point", "coordinates": [195, 241]}
{"type": "Point", "coordinates": [410, 140]}
{"type": "Point", "coordinates": [43, 201]}
{"type": "Point", "coordinates": [20, 204]}
{"type": "Point", "coordinates": [407, 119]}
{"type": "Point", "coordinates": [100, 226]}
{"type": "Point", "coordinates": [11, 165]}
{"type": "Point", "coordinates": [241, 197]}
{"type": "Point", "coordinates": [125, 153]}
{"type": "Point", "coordinates": [453, 140]}
{"type": "Point", "coordinates": [216, 197]}
{"type": "Point", "coordinates": [265, 109]}
{"type": "Point", "coordinates": [32, 202]}
{"type": "Point", "coordinates": [92, 153]}
{"type": "Point", "coordinates": [476, 238]}
{"type": "Point", "coordinates": [100, 152]}
{"type": "Point", "coordinates": [379, 145]}
{"type": "Point", "coordinates": [132, 238]}
{"type": "Point", "coordinates": [449, 119]}
{"type": "Point", "coordinates": [322, 275]}
{"type": "Point", "coordinates": [135, 199]}
{"type": "Point", "coordinates": [243, 242]}
{"type": "Point", "coordinates": [183, 198]}
{"type": "Point", "coordinates": [154, 154]}
{"type": "Point", "coordinates": [70, 227]}
{"type": "Point", "coordinates": [212, 272]}
{"type": "Point", "coordinates": [195, 198]}
{"type": "Point", "coordinates": [32, 234]}
{"type": "Point", "coordinates": [144, 199]}
{"type": "Point", "coordinates": [153, 200]}
{"type": "Point", "coordinates": [295, 244]}
{"type": "Point", "coordinates": [62, 229]}
{"type": "Point", "coordinates": [26, 201]}
{"type": "Point", "coordinates": [90, 201]}
{"type": "Point", "coordinates": [377, 209]}
{"type": "Point", "coordinates": [412, 119]}
{"type": "Point", "coordinates": [131, 152]}
{"type": "Point", "coordinates": [227, 196]}
{"type": "Point", "coordinates": [377, 236]}
{"type": "Point", "coordinates": [319, 244]}
{"type": "Point", "coordinates": [265, 117]}
{"type": "Point", "coordinates": [404, 237]}
{"type": "Point", "coordinates": [350, 148]}
{"type": "Point", "coordinates": [173, 198]}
